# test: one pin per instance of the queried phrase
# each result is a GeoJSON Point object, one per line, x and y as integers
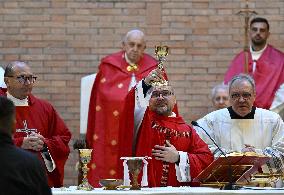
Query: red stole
{"type": "Point", "coordinates": [106, 106]}
{"type": "Point", "coordinates": [268, 75]}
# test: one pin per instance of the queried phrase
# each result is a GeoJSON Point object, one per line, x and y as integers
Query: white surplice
{"type": "Point", "coordinates": [265, 132]}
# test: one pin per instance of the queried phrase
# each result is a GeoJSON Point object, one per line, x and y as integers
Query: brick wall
{"type": "Point", "coordinates": [64, 40]}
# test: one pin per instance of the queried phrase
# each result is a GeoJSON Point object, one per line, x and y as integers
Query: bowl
{"type": "Point", "coordinates": [111, 184]}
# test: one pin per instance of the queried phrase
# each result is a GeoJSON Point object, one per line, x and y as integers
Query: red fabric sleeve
{"type": "Point", "coordinates": [57, 144]}
{"type": "Point", "coordinates": [126, 125]}
{"type": "Point", "coordinates": [18, 141]}
{"type": "Point", "coordinates": [199, 157]}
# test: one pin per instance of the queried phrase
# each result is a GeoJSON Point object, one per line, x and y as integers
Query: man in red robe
{"type": "Point", "coordinates": [265, 65]}
{"type": "Point", "coordinates": [118, 72]}
{"type": "Point", "coordinates": [39, 128]}
{"type": "Point", "coordinates": [178, 153]}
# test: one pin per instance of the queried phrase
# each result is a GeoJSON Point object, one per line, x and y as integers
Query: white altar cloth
{"type": "Point", "coordinates": [165, 191]}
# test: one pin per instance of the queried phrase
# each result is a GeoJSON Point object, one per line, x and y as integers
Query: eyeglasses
{"type": "Point", "coordinates": [24, 79]}
{"type": "Point", "coordinates": [237, 96]}
{"type": "Point", "coordinates": [164, 93]}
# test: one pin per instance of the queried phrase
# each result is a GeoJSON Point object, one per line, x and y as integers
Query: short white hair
{"type": "Point", "coordinates": [134, 31]}
{"type": "Point", "coordinates": [217, 88]}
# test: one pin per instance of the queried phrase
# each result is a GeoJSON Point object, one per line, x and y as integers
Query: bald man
{"type": "Point", "coordinates": [117, 74]}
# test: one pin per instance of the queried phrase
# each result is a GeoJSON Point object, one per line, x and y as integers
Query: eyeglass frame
{"type": "Point", "coordinates": [239, 95]}
{"type": "Point", "coordinates": [160, 93]}
{"type": "Point", "coordinates": [31, 78]}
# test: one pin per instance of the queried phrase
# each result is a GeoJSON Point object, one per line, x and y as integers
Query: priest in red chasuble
{"type": "Point", "coordinates": [151, 128]}
{"type": "Point", "coordinates": [39, 128]}
{"type": "Point", "coordinates": [265, 65]}
{"type": "Point", "coordinates": [117, 74]}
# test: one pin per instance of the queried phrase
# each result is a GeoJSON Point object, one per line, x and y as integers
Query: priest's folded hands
{"type": "Point", "coordinates": [34, 142]}
{"type": "Point", "coordinates": [167, 153]}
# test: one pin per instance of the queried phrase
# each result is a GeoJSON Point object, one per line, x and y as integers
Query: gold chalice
{"type": "Point", "coordinates": [85, 158]}
{"type": "Point", "coordinates": [134, 167]}
{"type": "Point", "coordinates": [161, 52]}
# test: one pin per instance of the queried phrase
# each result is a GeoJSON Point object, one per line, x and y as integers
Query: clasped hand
{"type": "Point", "coordinates": [166, 153]}
{"type": "Point", "coordinates": [34, 142]}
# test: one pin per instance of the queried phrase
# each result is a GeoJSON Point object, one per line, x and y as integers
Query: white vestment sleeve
{"type": "Point", "coordinates": [276, 151]}
{"type": "Point", "coordinates": [2, 83]}
{"type": "Point", "coordinates": [207, 123]}
{"type": "Point", "coordinates": [278, 101]}
{"type": "Point", "coordinates": [50, 165]}
{"type": "Point", "coordinates": [183, 168]}
{"type": "Point", "coordinates": [141, 104]}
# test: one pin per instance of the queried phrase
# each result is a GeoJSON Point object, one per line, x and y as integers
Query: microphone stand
{"type": "Point", "coordinates": [228, 186]}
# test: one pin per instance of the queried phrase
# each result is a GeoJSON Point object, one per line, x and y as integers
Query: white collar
{"type": "Point", "coordinates": [18, 102]}
{"type": "Point", "coordinates": [173, 115]}
{"type": "Point", "coordinates": [257, 52]}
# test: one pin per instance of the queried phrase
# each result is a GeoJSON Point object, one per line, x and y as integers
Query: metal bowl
{"type": "Point", "coordinates": [111, 184]}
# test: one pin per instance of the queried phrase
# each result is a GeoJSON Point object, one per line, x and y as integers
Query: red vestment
{"type": "Point", "coordinates": [268, 75]}
{"type": "Point", "coordinates": [154, 130]}
{"type": "Point", "coordinates": [106, 105]}
{"type": "Point", "coordinates": [41, 115]}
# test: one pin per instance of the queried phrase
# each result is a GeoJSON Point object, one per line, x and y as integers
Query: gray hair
{"type": "Point", "coordinates": [134, 31]}
{"type": "Point", "coordinates": [9, 68]}
{"type": "Point", "coordinates": [242, 77]}
{"type": "Point", "coordinates": [217, 87]}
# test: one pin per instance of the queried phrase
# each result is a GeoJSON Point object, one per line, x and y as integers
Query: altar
{"type": "Point", "coordinates": [168, 191]}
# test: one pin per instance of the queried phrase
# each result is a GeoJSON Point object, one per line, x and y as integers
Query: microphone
{"type": "Point", "coordinates": [228, 186]}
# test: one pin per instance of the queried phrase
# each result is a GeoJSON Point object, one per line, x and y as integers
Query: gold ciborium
{"type": "Point", "coordinates": [85, 158]}
{"type": "Point", "coordinates": [161, 52]}
{"type": "Point", "coordinates": [134, 167]}
{"type": "Point", "coordinates": [272, 180]}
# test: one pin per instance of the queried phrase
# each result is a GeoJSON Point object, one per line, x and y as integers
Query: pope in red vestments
{"type": "Point", "coordinates": [117, 74]}
{"type": "Point", "coordinates": [265, 65]}
{"type": "Point", "coordinates": [178, 153]}
{"type": "Point", "coordinates": [39, 128]}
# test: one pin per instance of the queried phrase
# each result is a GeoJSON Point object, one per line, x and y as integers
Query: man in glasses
{"type": "Point", "coordinates": [152, 128]}
{"type": "Point", "coordinates": [39, 128]}
{"type": "Point", "coordinates": [243, 127]}
{"type": "Point", "coordinates": [265, 65]}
